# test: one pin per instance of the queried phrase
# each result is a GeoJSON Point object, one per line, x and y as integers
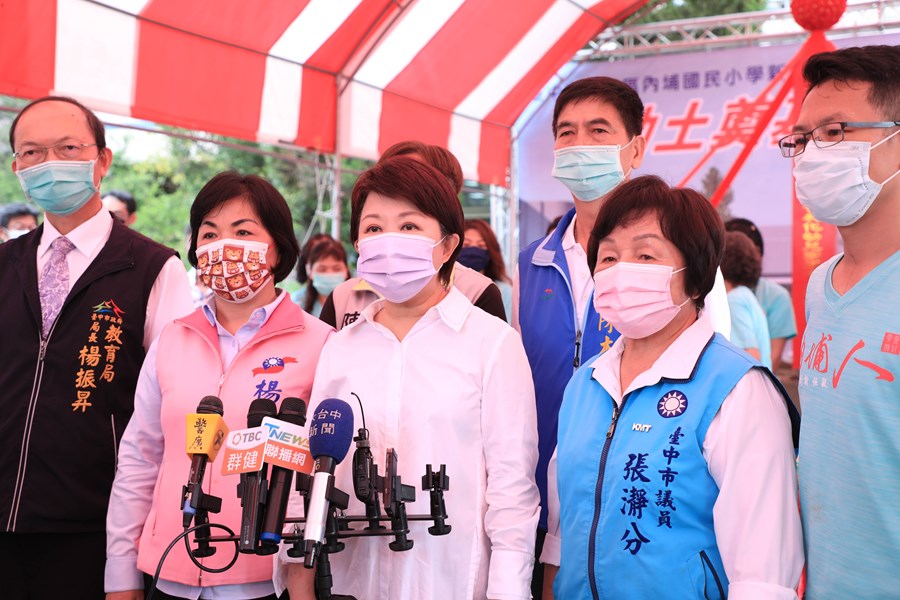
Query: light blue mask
{"type": "Point", "coordinates": [590, 172]}
{"type": "Point", "coordinates": [59, 187]}
{"type": "Point", "coordinates": [326, 282]}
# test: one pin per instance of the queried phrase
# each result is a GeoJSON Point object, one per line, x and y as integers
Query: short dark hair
{"type": "Point", "coordinates": [748, 228]}
{"type": "Point", "coordinates": [437, 156]}
{"type": "Point", "coordinates": [618, 94]}
{"type": "Point", "coordinates": [877, 65]}
{"type": "Point", "coordinates": [421, 185]}
{"type": "Point", "coordinates": [268, 204]}
{"type": "Point", "coordinates": [124, 197]}
{"type": "Point", "coordinates": [95, 124]}
{"type": "Point", "coordinates": [496, 269]}
{"type": "Point", "coordinates": [741, 264]}
{"type": "Point", "coordinates": [686, 219]}
{"type": "Point", "coordinates": [16, 209]}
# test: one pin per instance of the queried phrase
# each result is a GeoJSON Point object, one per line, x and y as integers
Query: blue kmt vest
{"type": "Point", "coordinates": [636, 495]}
{"type": "Point", "coordinates": [554, 342]}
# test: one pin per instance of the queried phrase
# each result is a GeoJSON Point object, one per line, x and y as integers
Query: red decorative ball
{"type": "Point", "coordinates": [817, 15]}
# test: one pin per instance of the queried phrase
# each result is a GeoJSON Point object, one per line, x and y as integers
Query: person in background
{"type": "Point", "coordinates": [348, 300]}
{"type": "Point", "coordinates": [441, 382]}
{"type": "Point", "coordinates": [773, 297]}
{"type": "Point", "coordinates": [674, 468]}
{"type": "Point", "coordinates": [302, 273]}
{"type": "Point", "coordinates": [481, 252]}
{"type": "Point", "coordinates": [326, 266]}
{"type": "Point", "coordinates": [251, 341]}
{"type": "Point", "coordinates": [845, 149]}
{"type": "Point", "coordinates": [597, 124]}
{"type": "Point", "coordinates": [83, 298]}
{"type": "Point", "coordinates": [741, 267]}
{"type": "Point", "coordinates": [122, 206]}
{"type": "Point", "coordinates": [16, 220]}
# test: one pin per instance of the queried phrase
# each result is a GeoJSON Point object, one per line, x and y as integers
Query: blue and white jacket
{"type": "Point", "coordinates": [554, 339]}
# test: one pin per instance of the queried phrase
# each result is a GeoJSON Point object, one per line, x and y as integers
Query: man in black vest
{"type": "Point", "coordinates": [84, 296]}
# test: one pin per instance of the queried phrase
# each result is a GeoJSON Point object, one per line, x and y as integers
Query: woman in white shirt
{"type": "Point", "coordinates": [441, 382]}
{"type": "Point", "coordinates": [674, 463]}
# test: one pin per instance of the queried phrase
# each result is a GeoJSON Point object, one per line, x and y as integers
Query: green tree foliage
{"type": "Point", "coordinates": [677, 10]}
{"type": "Point", "coordinates": [166, 184]}
{"type": "Point", "coordinates": [691, 9]}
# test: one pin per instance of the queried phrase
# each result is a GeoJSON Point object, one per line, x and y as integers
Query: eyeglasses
{"type": "Point", "coordinates": [825, 136]}
{"type": "Point", "coordinates": [32, 155]}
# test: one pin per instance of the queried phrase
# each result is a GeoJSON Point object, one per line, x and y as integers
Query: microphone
{"type": "Point", "coordinates": [329, 441]}
{"type": "Point", "coordinates": [293, 411]}
{"type": "Point", "coordinates": [205, 434]}
{"type": "Point", "coordinates": [252, 488]}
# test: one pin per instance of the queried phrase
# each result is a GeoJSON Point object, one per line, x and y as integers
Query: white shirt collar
{"type": "Point", "coordinates": [568, 239]}
{"type": "Point", "coordinates": [676, 362]}
{"type": "Point", "coordinates": [86, 237]}
{"type": "Point", "coordinates": [453, 310]}
{"type": "Point", "coordinates": [257, 318]}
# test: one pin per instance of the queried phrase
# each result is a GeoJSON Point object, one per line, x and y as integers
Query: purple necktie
{"type": "Point", "coordinates": [54, 284]}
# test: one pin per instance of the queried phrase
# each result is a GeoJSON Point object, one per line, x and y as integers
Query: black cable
{"type": "Point", "coordinates": [183, 535]}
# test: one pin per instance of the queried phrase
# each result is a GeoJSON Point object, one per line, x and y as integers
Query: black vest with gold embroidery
{"type": "Point", "coordinates": [65, 401]}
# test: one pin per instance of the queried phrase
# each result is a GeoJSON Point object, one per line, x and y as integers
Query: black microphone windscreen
{"type": "Point", "coordinates": [210, 405]}
{"type": "Point", "coordinates": [259, 409]}
{"type": "Point", "coordinates": [293, 410]}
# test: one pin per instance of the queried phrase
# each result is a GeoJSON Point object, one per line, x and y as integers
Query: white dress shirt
{"type": "Point", "coordinates": [457, 390]}
{"type": "Point", "coordinates": [170, 296]}
{"type": "Point", "coordinates": [756, 516]}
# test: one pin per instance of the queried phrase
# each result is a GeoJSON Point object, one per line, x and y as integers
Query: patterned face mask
{"type": "Point", "coordinates": [235, 270]}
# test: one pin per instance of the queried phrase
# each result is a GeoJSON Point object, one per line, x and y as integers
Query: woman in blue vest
{"type": "Point", "coordinates": [675, 465]}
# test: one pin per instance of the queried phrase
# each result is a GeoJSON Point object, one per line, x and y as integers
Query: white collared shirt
{"type": "Point", "coordinates": [457, 390]}
{"type": "Point", "coordinates": [758, 534]}
{"type": "Point", "coordinates": [170, 296]}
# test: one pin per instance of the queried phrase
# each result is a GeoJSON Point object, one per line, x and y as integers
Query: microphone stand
{"type": "Point", "coordinates": [337, 526]}
{"type": "Point", "coordinates": [203, 504]}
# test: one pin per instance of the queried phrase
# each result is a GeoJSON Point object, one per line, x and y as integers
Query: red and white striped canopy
{"type": "Point", "coordinates": [345, 76]}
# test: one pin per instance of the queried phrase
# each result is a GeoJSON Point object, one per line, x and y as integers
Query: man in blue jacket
{"type": "Point", "coordinates": [597, 124]}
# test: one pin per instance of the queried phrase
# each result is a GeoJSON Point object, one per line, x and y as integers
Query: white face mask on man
{"type": "Point", "coordinates": [590, 172]}
{"type": "Point", "coordinates": [834, 183]}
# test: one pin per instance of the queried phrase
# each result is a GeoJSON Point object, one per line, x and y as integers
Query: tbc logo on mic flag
{"type": "Point", "coordinates": [286, 445]}
{"type": "Point", "coordinates": [244, 451]}
{"type": "Point", "coordinates": [205, 434]}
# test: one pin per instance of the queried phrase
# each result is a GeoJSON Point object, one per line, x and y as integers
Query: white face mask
{"type": "Point", "coordinates": [590, 172]}
{"type": "Point", "coordinates": [15, 233]}
{"type": "Point", "coordinates": [636, 298]}
{"type": "Point", "coordinates": [834, 183]}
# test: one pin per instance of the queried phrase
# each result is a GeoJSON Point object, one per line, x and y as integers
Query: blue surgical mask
{"type": "Point", "coordinates": [590, 172]}
{"type": "Point", "coordinates": [326, 282]}
{"type": "Point", "coordinates": [476, 259]}
{"type": "Point", "coordinates": [60, 187]}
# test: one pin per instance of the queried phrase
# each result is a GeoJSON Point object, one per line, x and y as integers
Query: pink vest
{"type": "Point", "coordinates": [188, 369]}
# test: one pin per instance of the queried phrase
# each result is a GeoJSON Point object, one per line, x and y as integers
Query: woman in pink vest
{"type": "Point", "coordinates": [250, 341]}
